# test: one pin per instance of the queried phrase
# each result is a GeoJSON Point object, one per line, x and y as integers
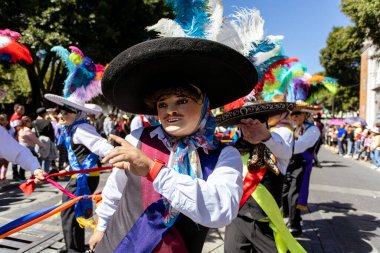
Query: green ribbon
{"type": "Point", "coordinates": [283, 238]}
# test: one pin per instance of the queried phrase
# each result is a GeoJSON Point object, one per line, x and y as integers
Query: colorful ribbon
{"type": "Point", "coordinates": [35, 217]}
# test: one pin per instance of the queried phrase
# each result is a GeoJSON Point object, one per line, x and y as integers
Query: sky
{"type": "Point", "coordinates": [305, 24]}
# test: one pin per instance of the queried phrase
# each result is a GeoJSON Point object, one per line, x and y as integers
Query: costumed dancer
{"type": "Point", "coordinates": [178, 179]}
{"type": "Point", "coordinates": [259, 226]}
{"type": "Point", "coordinates": [18, 154]}
{"type": "Point", "coordinates": [307, 135]}
{"type": "Point", "coordinates": [302, 89]}
{"type": "Point", "coordinates": [268, 136]}
{"type": "Point", "coordinates": [83, 143]}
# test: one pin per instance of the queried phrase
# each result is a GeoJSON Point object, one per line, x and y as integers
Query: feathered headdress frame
{"type": "Point", "coordinates": [11, 50]}
{"type": "Point", "coordinates": [83, 81]}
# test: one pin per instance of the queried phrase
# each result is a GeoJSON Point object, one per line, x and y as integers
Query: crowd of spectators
{"type": "Point", "coordinates": [354, 141]}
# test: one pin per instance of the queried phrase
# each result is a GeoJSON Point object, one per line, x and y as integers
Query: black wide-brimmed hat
{"type": "Point", "coordinates": [260, 111]}
{"type": "Point", "coordinates": [222, 73]}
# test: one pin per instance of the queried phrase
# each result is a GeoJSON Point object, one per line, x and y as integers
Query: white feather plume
{"type": "Point", "coordinates": [261, 57]}
{"type": "Point", "coordinates": [250, 26]}
{"type": "Point", "coordinates": [230, 37]}
{"type": "Point", "coordinates": [215, 13]}
{"type": "Point", "coordinates": [167, 28]}
{"type": "Point", "coordinates": [4, 41]}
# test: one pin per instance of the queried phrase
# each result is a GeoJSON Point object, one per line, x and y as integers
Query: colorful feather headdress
{"type": "Point", "coordinates": [322, 84]}
{"type": "Point", "coordinates": [11, 50]}
{"type": "Point", "coordinates": [196, 19]}
{"type": "Point", "coordinates": [83, 81]}
{"type": "Point", "coordinates": [265, 53]}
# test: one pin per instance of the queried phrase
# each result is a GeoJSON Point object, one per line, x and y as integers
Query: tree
{"type": "Point", "coordinates": [100, 28]}
{"type": "Point", "coordinates": [341, 60]}
{"type": "Point", "coordinates": [366, 15]}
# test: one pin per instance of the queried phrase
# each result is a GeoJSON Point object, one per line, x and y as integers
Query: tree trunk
{"type": "Point", "coordinates": [35, 85]}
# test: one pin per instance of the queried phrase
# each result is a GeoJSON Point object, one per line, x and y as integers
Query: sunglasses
{"type": "Point", "coordinates": [64, 110]}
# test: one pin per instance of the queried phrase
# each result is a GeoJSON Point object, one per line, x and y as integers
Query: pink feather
{"type": "Point", "coordinates": [76, 50]}
{"type": "Point", "coordinates": [11, 34]}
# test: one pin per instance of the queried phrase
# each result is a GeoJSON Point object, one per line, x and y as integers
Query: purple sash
{"type": "Point", "coordinates": [304, 192]}
{"type": "Point", "coordinates": [149, 230]}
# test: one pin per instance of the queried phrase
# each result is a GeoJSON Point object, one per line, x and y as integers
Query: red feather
{"type": "Point", "coordinates": [18, 52]}
{"type": "Point", "coordinates": [233, 105]}
{"type": "Point", "coordinates": [269, 74]}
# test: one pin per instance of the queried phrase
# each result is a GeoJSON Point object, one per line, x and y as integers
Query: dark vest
{"type": "Point", "coordinates": [80, 151]}
{"type": "Point", "coordinates": [139, 193]}
{"type": "Point", "coordinates": [251, 208]}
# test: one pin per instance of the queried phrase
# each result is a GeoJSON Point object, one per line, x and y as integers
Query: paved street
{"type": "Point", "coordinates": [344, 213]}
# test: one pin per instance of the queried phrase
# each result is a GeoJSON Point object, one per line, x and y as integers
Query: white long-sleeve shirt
{"type": "Point", "coordinates": [87, 135]}
{"type": "Point", "coordinates": [307, 140]}
{"type": "Point", "coordinates": [281, 145]}
{"type": "Point", "coordinates": [211, 203]}
{"type": "Point", "coordinates": [12, 151]}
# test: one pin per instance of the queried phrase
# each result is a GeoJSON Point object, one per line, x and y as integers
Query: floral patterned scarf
{"type": "Point", "coordinates": [184, 156]}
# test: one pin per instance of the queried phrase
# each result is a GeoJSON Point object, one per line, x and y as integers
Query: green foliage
{"type": "Point", "coordinates": [15, 81]}
{"type": "Point", "coordinates": [100, 28]}
{"type": "Point", "coordinates": [366, 15]}
{"type": "Point", "coordinates": [341, 60]}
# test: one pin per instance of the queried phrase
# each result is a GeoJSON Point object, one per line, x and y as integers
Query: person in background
{"type": "Point", "coordinates": [45, 133]}
{"type": "Point", "coordinates": [19, 110]}
{"type": "Point", "coordinates": [108, 124]}
{"type": "Point", "coordinates": [342, 134]}
{"type": "Point", "coordinates": [358, 140]}
{"type": "Point", "coordinates": [26, 137]}
{"type": "Point", "coordinates": [366, 146]}
{"type": "Point", "coordinates": [3, 162]}
{"type": "Point", "coordinates": [375, 148]}
{"type": "Point", "coordinates": [296, 183]}
{"type": "Point", "coordinates": [124, 128]}
{"type": "Point", "coordinates": [350, 141]}
{"type": "Point", "coordinates": [99, 124]}
{"type": "Point", "coordinates": [143, 121]}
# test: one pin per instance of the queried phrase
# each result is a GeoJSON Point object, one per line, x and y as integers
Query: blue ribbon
{"type": "Point", "coordinates": [83, 207]}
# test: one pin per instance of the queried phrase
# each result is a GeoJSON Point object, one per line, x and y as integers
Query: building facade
{"type": "Point", "coordinates": [369, 106]}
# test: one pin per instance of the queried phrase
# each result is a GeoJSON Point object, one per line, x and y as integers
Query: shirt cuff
{"type": "Point", "coordinates": [269, 142]}
{"type": "Point", "coordinates": [102, 225]}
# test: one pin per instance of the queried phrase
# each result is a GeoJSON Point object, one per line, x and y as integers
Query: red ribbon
{"type": "Point", "coordinates": [29, 186]}
{"type": "Point", "coordinates": [251, 181]}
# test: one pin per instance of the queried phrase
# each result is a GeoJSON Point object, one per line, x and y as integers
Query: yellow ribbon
{"type": "Point", "coordinates": [283, 238]}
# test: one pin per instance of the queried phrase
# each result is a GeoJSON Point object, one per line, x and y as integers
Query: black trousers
{"type": "Point", "coordinates": [18, 173]}
{"type": "Point", "coordinates": [72, 232]}
{"type": "Point", "coordinates": [245, 235]}
{"type": "Point", "coordinates": [291, 191]}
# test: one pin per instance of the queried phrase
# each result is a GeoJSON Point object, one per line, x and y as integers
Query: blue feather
{"type": "Point", "coordinates": [264, 46]}
{"type": "Point", "coordinates": [63, 53]}
{"type": "Point", "coordinates": [82, 76]}
{"type": "Point", "coordinates": [191, 15]}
